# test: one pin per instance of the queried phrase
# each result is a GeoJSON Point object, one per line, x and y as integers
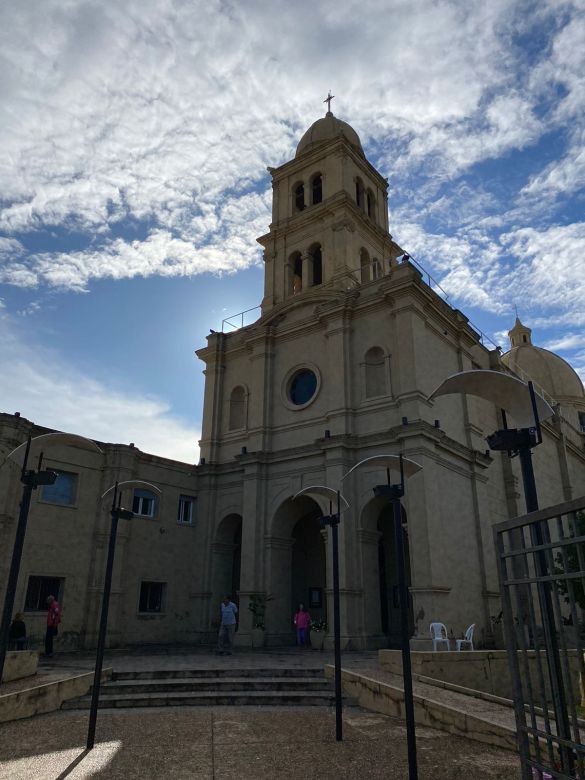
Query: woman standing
{"type": "Point", "coordinates": [302, 621]}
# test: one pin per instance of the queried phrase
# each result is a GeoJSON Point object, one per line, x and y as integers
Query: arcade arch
{"type": "Point", "coordinates": [296, 568]}
{"type": "Point", "coordinates": [382, 599]}
{"type": "Point", "coordinates": [226, 552]}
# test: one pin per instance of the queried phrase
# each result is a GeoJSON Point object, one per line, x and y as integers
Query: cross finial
{"type": "Point", "coordinates": [328, 100]}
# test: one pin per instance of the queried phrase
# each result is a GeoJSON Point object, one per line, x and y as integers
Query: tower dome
{"type": "Point", "coordinates": [546, 369]}
{"type": "Point", "coordinates": [326, 129]}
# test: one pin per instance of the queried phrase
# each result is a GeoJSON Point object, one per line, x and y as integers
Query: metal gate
{"type": "Point", "coordinates": [541, 567]}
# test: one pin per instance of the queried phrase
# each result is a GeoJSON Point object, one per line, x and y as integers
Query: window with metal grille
{"type": "Point", "coordinates": [152, 596]}
{"type": "Point", "coordinates": [187, 509]}
{"type": "Point", "coordinates": [39, 589]}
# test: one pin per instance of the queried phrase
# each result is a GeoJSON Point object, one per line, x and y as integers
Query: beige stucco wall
{"type": "Point", "coordinates": [70, 542]}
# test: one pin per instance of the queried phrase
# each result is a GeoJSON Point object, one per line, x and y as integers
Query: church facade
{"type": "Point", "coordinates": [350, 343]}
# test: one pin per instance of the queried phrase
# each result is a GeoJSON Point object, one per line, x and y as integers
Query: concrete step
{"type": "Point", "coordinates": [207, 699]}
{"type": "Point", "coordinates": [218, 672]}
{"type": "Point", "coordinates": [234, 683]}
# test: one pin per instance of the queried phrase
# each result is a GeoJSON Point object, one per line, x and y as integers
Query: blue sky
{"type": "Point", "coordinates": [134, 141]}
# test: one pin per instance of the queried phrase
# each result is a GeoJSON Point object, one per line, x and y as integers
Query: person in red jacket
{"type": "Point", "coordinates": [53, 620]}
{"type": "Point", "coordinates": [302, 621]}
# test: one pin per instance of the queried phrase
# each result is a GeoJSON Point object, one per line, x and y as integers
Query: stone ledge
{"type": "Point", "coordinates": [389, 700]}
{"type": "Point", "coordinates": [480, 670]}
{"type": "Point", "coordinates": [46, 697]}
{"type": "Point", "coordinates": [19, 664]}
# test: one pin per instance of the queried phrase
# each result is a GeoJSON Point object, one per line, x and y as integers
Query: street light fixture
{"type": "Point", "coordinates": [527, 409]}
{"type": "Point", "coordinates": [116, 513]}
{"type": "Point", "coordinates": [404, 469]}
{"type": "Point", "coordinates": [31, 480]}
{"type": "Point", "coordinates": [322, 491]}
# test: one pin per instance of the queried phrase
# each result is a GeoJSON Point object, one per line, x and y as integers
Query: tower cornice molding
{"type": "Point", "coordinates": [340, 207]}
{"type": "Point", "coordinates": [338, 146]}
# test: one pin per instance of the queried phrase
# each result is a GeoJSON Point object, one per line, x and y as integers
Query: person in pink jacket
{"type": "Point", "coordinates": [302, 621]}
{"type": "Point", "coordinates": [53, 620]}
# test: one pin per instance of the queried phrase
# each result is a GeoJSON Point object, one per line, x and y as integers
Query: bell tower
{"type": "Point", "coordinates": [329, 217]}
{"type": "Point", "coordinates": [520, 334]}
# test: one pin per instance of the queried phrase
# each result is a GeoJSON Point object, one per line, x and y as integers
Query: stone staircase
{"type": "Point", "coordinates": [213, 687]}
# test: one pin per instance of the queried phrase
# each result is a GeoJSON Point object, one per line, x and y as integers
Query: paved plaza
{"type": "Point", "coordinates": [260, 743]}
{"type": "Point", "coordinates": [226, 743]}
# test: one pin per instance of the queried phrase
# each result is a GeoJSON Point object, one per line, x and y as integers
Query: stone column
{"type": "Point", "coordinates": [278, 587]}
{"type": "Point", "coordinates": [371, 615]}
{"type": "Point", "coordinates": [252, 574]}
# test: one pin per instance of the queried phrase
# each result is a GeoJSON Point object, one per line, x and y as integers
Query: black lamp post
{"type": "Point", "coordinates": [527, 409]}
{"type": "Point", "coordinates": [333, 520]}
{"type": "Point", "coordinates": [394, 493]}
{"type": "Point", "coordinates": [31, 480]}
{"type": "Point", "coordinates": [116, 513]}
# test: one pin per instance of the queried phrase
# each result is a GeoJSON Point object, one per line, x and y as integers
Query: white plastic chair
{"type": "Point", "coordinates": [439, 635]}
{"type": "Point", "coordinates": [468, 638]}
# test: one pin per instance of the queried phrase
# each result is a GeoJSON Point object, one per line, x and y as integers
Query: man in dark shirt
{"type": "Point", "coordinates": [17, 633]}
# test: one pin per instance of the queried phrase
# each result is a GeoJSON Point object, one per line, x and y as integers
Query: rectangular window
{"type": "Point", "coordinates": [63, 492]}
{"type": "Point", "coordinates": [187, 509]}
{"type": "Point", "coordinates": [152, 596]}
{"type": "Point", "coordinates": [39, 589]}
{"type": "Point", "coordinates": [143, 503]}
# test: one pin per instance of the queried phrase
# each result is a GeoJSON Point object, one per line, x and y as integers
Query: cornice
{"type": "Point", "coordinates": [313, 216]}
{"type": "Point", "coordinates": [328, 149]}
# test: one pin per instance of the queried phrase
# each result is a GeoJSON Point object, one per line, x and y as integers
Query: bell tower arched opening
{"type": "Point", "coordinates": [364, 266]}
{"type": "Point", "coordinates": [299, 197]}
{"type": "Point", "coordinates": [295, 268]}
{"type": "Point", "coordinates": [316, 264]}
{"type": "Point", "coordinates": [316, 189]}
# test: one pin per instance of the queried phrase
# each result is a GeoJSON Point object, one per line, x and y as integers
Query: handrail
{"type": "Point", "coordinates": [432, 283]}
{"type": "Point", "coordinates": [226, 321]}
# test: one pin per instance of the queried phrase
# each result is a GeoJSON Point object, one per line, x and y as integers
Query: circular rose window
{"type": "Point", "coordinates": [302, 387]}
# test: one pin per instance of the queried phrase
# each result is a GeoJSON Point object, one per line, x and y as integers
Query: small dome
{"type": "Point", "coordinates": [325, 129]}
{"type": "Point", "coordinates": [548, 370]}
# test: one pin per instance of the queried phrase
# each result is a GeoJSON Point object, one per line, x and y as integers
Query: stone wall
{"type": "Point", "coordinates": [19, 664]}
{"type": "Point", "coordinates": [480, 670]}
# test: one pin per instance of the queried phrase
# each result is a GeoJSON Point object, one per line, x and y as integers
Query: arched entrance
{"type": "Point", "coordinates": [226, 564]}
{"type": "Point", "coordinates": [382, 616]}
{"type": "Point", "coordinates": [296, 558]}
{"type": "Point", "coordinates": [308, 567]}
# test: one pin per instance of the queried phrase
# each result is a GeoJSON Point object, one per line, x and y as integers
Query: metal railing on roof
{"type": "Point", "coordinates": [237, 321]}
{"type": "Point", "coordinates": [538, 387]}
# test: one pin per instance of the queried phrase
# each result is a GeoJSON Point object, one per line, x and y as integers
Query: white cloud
{"type": "Point", "coordinates": [163, 111]}
{"type": "Point", "coordinates": [464, 265]}
{"type": "Point", "coordinates": [550, 271]}
{"type": "Point", "coordinates": [564, 176]}
{"type": "Point", "coordinates": [165, 114]}
{"type": "Point", "coordinates": [568, 341]}
{"type": "Point", "coordinates": [51, 392]}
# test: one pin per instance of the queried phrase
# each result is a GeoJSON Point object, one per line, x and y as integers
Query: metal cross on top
{"type": "Point", "coordinates": [328, 100]}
